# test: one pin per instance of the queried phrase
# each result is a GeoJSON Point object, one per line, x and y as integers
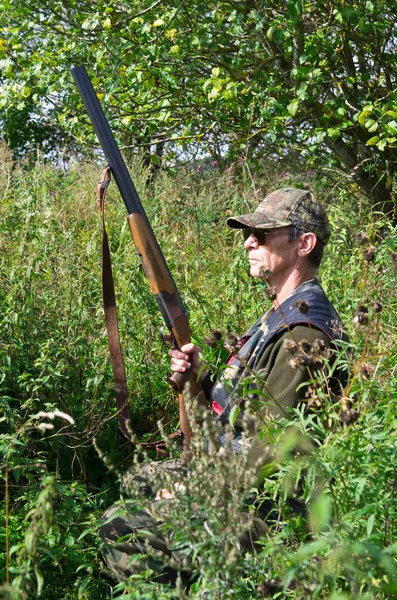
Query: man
{"type": "Point", "coordinates": [284, 240]}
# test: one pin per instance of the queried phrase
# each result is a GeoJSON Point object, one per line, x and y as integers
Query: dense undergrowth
{"type": "Point", "coordinates": [55, 371]}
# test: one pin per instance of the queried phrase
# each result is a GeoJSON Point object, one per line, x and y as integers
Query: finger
{"type": "Point", "coordinates": [189, 348]}
{"type": "Point", "coordinates": [180, 367]}
{"type": "Point", "coordinates": [178, 355]}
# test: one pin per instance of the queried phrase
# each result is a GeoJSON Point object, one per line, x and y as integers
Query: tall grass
{"type": "Point", "coordinates": [54, 356]}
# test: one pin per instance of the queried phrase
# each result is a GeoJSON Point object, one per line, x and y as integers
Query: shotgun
{"type": "Point", "coordinates": [156, 270]}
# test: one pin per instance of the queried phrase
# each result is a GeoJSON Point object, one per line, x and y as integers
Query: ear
{"type": "Point", "coordinates": [306, 244]}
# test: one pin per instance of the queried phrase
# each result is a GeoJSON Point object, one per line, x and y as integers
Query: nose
{"type": "Point", "coordinates": [250, 242]}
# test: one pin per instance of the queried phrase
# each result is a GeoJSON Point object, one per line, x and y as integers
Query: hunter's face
{"type": "Point", "coordinates": [273, 253]}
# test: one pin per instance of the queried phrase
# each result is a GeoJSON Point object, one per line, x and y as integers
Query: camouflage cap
{"type": "Point", "coordinates": [288, 206]}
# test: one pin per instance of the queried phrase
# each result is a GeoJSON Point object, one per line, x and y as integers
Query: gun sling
{"type": "Point", "coordinates": [109, 306]}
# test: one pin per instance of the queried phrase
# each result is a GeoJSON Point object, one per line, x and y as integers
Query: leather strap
{"type": "Point", "coordinates": [109, 305]}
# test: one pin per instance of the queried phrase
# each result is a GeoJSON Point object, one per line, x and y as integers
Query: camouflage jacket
{"type": "Point", "coordinates": [262, 372]}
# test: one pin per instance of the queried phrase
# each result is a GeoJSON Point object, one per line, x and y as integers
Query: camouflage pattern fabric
{"type": "Point", "coordinates": [246, 377]}
{"type": "Point", "coordinates": [284, 207]}
{"type": "Point", "coordinates": [133, 541]}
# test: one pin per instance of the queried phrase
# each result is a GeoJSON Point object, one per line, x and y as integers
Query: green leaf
{"type": "Point", "coordinates": [69, 541]}
{"type": "Point", "coordinates": [270, 32]}
{"type": "Point", "coordinates": [391, 127]}
{"type": "Point", "coordinates": [89, 24]}
{"type": "Point", "coordinates": [293, 107]}
{"type": "Point", "coordinates": [374, 140]}
{"type": "Point", "coordinates": [39, 579]}
{"type": "Point", "coordinates": [370, 524]}
{"type": "Point", "coordinates": [371, 125]}
{"type": "Point", "coordinates": [367, 110]}
{"type": "Point", "coordinates": [333, 133]}
{"type": "Point", "coordinates": [233, 415]}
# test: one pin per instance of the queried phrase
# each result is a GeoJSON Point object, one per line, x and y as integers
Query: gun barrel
{"type": "Point", "coordinates": [107, 141]}
{"type": "Point", "coordinates": [153, 262]}
{"type": "Point", "coordinates": [160, 279]}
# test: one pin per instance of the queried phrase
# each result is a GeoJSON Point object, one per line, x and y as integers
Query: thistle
{"type": "Point", "coordinates": [302, 306]}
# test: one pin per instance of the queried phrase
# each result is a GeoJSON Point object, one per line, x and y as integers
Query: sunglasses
{"type": "Point", "coordinates": [259, 234]}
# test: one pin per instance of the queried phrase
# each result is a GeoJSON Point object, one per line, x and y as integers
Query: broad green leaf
{"type": "Point", "coordinates": [391, 127]}
{"type": "Point", "coordinates": [367, 110]}
{"type": "Point", "coordinates": [373, 140]}
{"type": "Point", "coordinates": [333, 133]}
{"type": "Point", "coordinates": [69, 541]}
{"type": "Point", "coordinates": [371, 125]}
{"type": "Point", "coordinates": [293, 107]}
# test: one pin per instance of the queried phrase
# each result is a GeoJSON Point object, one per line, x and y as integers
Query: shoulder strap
{"type": "Point", "coordinates": [109, 305]}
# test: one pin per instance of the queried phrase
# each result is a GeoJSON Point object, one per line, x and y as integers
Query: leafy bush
{"type": "Point", "coordinates": [55, 359]}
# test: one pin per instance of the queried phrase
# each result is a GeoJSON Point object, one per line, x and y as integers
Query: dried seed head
{"type": "Point", "coordinates": [302, 306]}
{"type": "Point", "coordinates": [212, 339]}
{"type": "Point", "coordinates": [290, 346]}
{"type": "Point", "coordinates": [305, 346]}
{"type": "Point", "coordinates": [361, 308]}
{"type": "Point", "coordinates": [298, 361]}
{"type": "Point", "coordinates": [240, 402]}
{"type": "Point", "coordinates": [369, 253]}
{"type": "Point", "coordinates": [361, 318]}
{"type": "Point", "coordinates": [270, 293]}
{"type": "Point", "coordinates": [362, 238]}
{"type": "Point", "coordinates": [316, 362]}
{"type": "Point", "coordinates": [393, 259]}
{"type": "Point", "coordinates": [367, 370]}
{"type": "Point", "coordinates": [348, 416]}
{"type": "Point", "coordinates": [315, 402]}
{"type": "Point", "coordinates": [265, 274]}
{"type": "Point", "coordinates": [376, 306]}
{"type": "Point", "coordinates": [311, 390]}
{"type": "Point", "coordinates": [319, 346]}
{"type": "Point", "coordinates": [231, 342]}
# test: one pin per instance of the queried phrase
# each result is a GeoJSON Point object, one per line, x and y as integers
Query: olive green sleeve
{"type": "Point", "coordinates": [277, 381]}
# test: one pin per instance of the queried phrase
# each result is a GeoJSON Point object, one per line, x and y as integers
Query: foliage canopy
{"type": "Point", "coordinates": [236, 80]}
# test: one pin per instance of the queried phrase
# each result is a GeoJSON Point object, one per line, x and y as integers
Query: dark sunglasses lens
{"type": "Point", "coordinates": [259, 234]}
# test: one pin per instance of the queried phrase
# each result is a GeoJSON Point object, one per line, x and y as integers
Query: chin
{"type": "Point", "coordinates": [254, 272]}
